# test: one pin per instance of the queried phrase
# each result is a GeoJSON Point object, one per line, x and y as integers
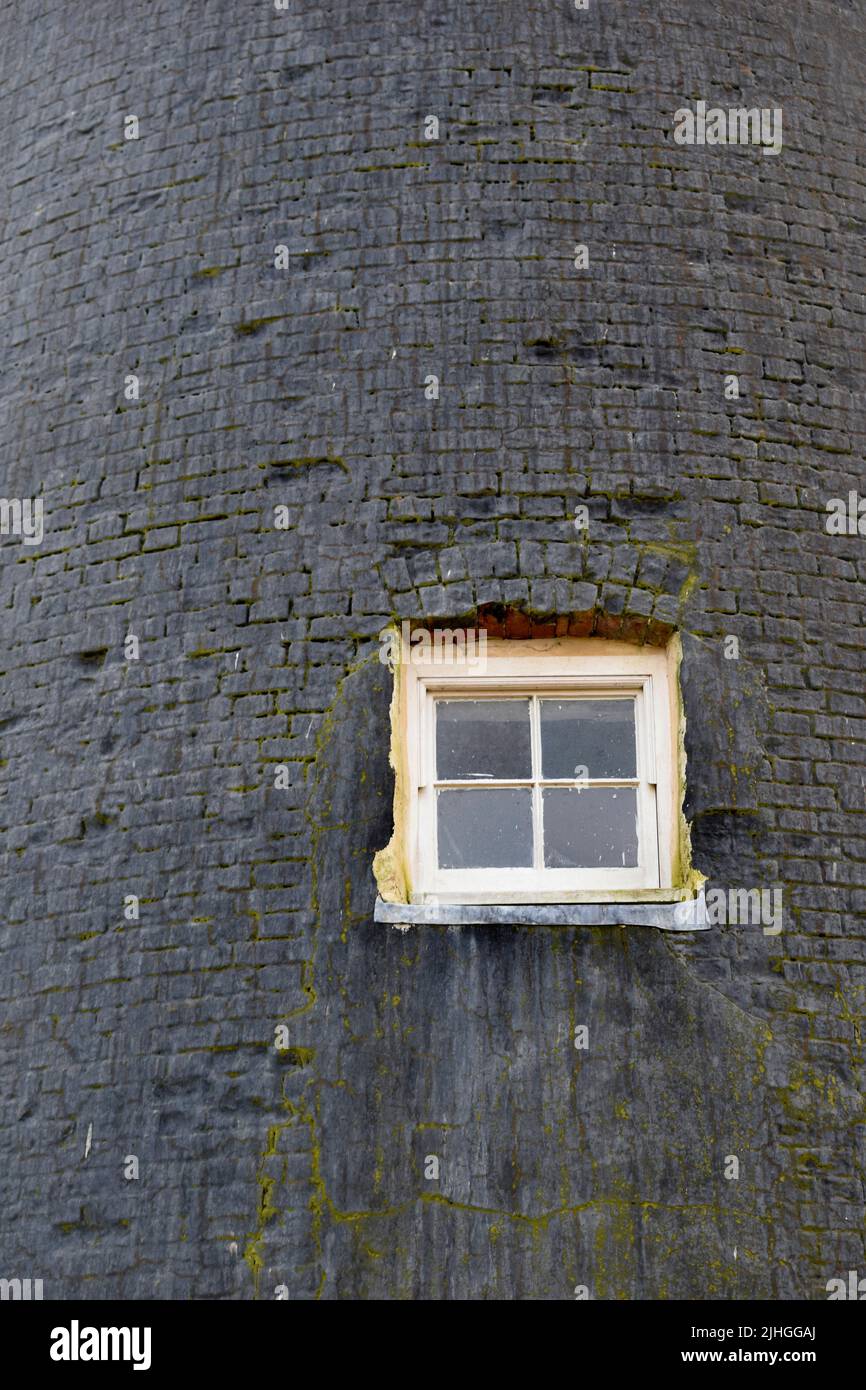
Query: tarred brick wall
{"type": "Point", "coordinates": [304, 389]}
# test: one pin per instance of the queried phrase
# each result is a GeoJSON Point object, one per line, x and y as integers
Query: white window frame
{"type": "Point", "coordinates": [538, 669]}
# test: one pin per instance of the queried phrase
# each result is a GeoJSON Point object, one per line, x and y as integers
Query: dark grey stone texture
{"type": "Point", "coordinates": [303, 389]}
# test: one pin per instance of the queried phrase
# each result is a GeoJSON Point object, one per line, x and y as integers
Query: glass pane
{"type": "Point", "coordinates": [590, 827]}
{"type": "Point", "coordinates": [595, 735]}
{"type": "Point", "coordinates": [482, 738]}
{"type": "Point", "coordinates": [485, 829]}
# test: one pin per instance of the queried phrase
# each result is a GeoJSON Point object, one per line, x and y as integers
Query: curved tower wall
{"type": "Point", "coordinates": [303, 388]}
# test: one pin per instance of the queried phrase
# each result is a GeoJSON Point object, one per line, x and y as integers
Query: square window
{"type": "Point", "coordinates": [547, 773]}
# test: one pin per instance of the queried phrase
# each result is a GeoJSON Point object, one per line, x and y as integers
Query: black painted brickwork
{"type": "Point", "coordinates": [304, 388]}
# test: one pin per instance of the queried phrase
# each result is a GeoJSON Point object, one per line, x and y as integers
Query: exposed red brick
{"type": "Point", "coordinates": [491, 623]}
{"type": "Point", "coordinates": [517, 624]}
{"type": "Point", "coordinates": [634, 629]}
{"type": "Point", "coordinates": [608, 625]}
{"type": "Point", "coordinates": [581, 624]}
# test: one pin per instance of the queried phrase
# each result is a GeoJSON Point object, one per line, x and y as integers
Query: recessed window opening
{"type": "Point", "coordinates": [537, 787]}
{"type": "Point", "coordinates": [549, 773]}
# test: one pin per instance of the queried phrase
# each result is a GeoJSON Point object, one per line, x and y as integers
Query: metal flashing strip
{"type": "Point", "coordinates": [690, 915]}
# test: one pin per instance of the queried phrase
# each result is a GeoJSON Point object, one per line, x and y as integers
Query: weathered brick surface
{"type": "Point", "coordinates": [304, 388]}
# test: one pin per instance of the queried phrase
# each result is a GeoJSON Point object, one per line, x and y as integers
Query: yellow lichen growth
{"type": "Point", "coordinates": [684, 875]}
{"type": "Point", "coordinates": [390, 865]}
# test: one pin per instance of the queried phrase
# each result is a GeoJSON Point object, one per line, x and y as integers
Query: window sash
{"type": "Point", "coordinates": [464, 884]}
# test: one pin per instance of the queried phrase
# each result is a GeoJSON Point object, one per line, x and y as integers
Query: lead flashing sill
{"type": "Point", "coordinates": [678, 916]}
